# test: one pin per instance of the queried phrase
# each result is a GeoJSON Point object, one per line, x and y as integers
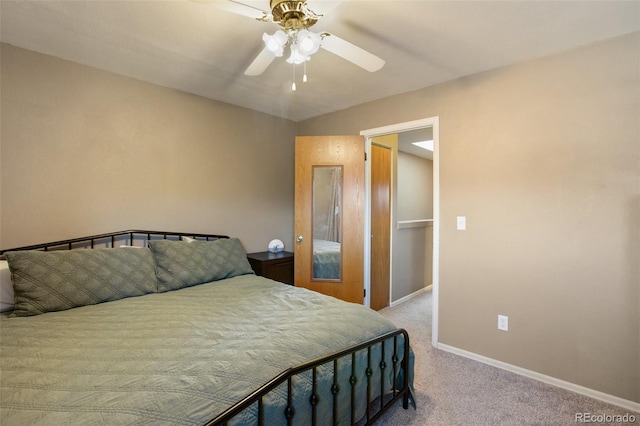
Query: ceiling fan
{"type": "Point", "coordinates": [295, 17]}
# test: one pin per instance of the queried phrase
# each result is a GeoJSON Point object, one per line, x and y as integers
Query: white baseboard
{"type": "Point", "coordinates": [610, 399]}
{"type": "Point", "coordinates": [409, 296]}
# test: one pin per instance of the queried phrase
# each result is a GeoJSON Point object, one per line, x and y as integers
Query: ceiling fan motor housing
{"type": "Point", "coordinates": [292, 15]}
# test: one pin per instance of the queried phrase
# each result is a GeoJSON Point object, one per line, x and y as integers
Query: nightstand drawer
{"type": "Point", "coordinates": [276, 266]}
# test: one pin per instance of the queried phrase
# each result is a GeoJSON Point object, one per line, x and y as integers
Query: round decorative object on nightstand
{"type": "Point", "coordinates": [276, 246]}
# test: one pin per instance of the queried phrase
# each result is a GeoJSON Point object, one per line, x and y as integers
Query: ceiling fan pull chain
{"type": "Point", "coordinates": [304, 76]}
{"type": "Point", "coordinates": [293, 84]}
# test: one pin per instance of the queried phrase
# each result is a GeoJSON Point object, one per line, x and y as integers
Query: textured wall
{"type": "Point", "coordinates": [86, 151]}
{"type": "Point", "coordinates": [542, 158]}
{"type": "Point", "coordinates": [415, 187]}
{"type": "Point", "coordinates": [412, 247]}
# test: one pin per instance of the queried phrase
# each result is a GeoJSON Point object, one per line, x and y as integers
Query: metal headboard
{"type": "Point", "coordinates": [128, 237]}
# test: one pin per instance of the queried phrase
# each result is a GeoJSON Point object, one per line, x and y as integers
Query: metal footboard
{"type": "Point", "coordinates": [375, 406]}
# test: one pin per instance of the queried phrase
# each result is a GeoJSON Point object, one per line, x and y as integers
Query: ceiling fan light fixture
{"type": "Point", "coordinates": [275, 43]}
{"type": "Point", "coordinates": [303, 43]}
{"type": "Point", "coordinates": [308, 42]}
{"type": "Point", "coordinates": [297, 57]}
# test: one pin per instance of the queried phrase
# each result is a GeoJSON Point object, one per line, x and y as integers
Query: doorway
{"type": "Point", "coordinates": [432, 122]}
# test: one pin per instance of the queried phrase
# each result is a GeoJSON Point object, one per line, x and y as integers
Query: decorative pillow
{"type": "Point", "coordinates": [6, 287]}
{"type": "Point", "coordinates": [59, 280]}
{"type": "Point", "coordinates": [181, 264]}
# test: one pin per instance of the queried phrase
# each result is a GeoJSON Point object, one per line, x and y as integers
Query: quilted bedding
{"type": "Point", "coordinates": [175, 358]}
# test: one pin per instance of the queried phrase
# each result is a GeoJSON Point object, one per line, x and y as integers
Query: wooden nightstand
{"type": "Point", "coordinates": [276, 266]}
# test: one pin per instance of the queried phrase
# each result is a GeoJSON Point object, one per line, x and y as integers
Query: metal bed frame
{"type": "Point", "coordinates": [372, 414]}
{"type": "Point", "coordinates": [375, 406]}
{"type": "Point", "coordinates": [110, 239]}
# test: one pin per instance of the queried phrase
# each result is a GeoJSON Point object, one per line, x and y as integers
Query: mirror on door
{"type": "Point", "coordinates": [327, 223]}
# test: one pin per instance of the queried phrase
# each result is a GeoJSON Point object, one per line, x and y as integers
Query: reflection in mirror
{"type": "Point", "coordinates": [327, 222]}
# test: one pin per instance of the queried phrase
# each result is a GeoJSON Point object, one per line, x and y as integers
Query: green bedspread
{"type": "Point", "coordinates": [175, 358]}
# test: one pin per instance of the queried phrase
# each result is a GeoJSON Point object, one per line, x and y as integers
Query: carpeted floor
{"type": "Point", "coordinates": [453, 390]}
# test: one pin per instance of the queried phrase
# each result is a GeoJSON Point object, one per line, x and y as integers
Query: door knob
{"type": "Point", "coordinates": [299, 238]}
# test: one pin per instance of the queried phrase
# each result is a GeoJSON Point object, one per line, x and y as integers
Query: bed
{"type": "Point", "coordinates": [195, 338]}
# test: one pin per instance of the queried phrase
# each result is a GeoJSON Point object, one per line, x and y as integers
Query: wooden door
{"type": "Point", "coordinates": [342, 156]}
{"type": "Point", "coordinates": [380, 226]}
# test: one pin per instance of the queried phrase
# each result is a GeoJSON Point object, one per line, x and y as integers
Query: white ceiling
{"type": "Point", "coordinates": [406, 140]}
{"type": "Point", "coordinates": [199, 47]}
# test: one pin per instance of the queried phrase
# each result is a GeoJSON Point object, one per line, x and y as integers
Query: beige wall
{"type": "Point", "coordinates": [415, 187]}
{"type": "Point", "coordinates": [412, 246]}
{"type": "Point", "coordinates": [543, 159]}
{"type": "Point", "coordinates": [412, 260]}
{"type": "Point", "coordinates": [85, 151]}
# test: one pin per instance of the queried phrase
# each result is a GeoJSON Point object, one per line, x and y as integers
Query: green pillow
{"type": "Point", "coordinates": [184, 264]}
{"type": "Point", "coordinates": [59, 280]}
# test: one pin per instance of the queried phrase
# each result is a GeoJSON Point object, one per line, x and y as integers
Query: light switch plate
{"type": "Point", "coordinates": [503, 322]}
{"type": "Point", "coordinates": [461, 223]}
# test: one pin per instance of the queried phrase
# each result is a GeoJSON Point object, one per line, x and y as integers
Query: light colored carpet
{"type": "Point", "coordinates": [453, 390]}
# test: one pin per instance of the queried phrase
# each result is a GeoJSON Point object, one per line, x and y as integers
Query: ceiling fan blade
{"type": "Point", "coordinates": [323, 7]}
{"type": "Point", "coordinates": [260, 63]}
{"type": "Point", "coordinates": [352, 53]}
{"type": "Point", "coordinates": [247, 8]}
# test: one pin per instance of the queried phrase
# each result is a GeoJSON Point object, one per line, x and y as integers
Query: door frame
{"type": "Point", "coordinates": [433, 122]}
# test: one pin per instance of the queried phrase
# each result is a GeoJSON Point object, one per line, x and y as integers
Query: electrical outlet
{"type": "Point", "coordinates": [461, 223]}
{"type": "Point", "coordinates": [503, 322]}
